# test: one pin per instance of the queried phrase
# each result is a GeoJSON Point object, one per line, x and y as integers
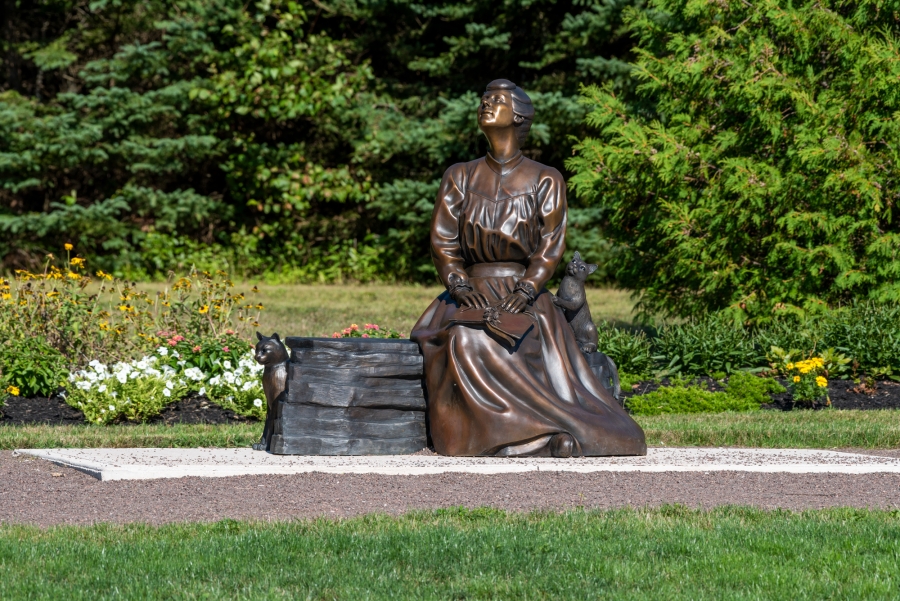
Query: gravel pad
{"type": "Point", "coordinates": [149, 463]}
{"type": "Point", "coordinates": [33, 491]}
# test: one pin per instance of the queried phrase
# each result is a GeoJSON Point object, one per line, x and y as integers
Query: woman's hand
{"type": "Point", "coordinates": [469, 299]}
{"type": "Point", "coordinates": [515, 302]}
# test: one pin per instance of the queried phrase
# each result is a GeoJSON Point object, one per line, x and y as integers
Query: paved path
{"type": "Point", "coordinates": [149, 464]}
{"type": "Point", "coordinates": [38, 492]}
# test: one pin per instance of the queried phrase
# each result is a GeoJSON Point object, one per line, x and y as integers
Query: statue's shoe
{"type": "Point", "coordinates": [562, 445]}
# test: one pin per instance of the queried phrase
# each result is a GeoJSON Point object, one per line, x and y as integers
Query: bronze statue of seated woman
{"type": "Point", "coordinates": [504, 374]}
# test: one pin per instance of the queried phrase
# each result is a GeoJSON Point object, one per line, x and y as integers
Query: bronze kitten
{"type": "Point", "coordinates": [571, 298]}
{"type": "Point", "coordinates": [271, 353]}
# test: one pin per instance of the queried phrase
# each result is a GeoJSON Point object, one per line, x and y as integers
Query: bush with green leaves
{"type": "Point", "coordinates": [754, 166]}
{"type": "Point", "coordinates": [630, 350]}
{"type": "Point", "coordinates": [744, 392]}
{"type": "Point", "coordinates": [30, 367]}
{"type": "Point", "coordinates": [713, 343]}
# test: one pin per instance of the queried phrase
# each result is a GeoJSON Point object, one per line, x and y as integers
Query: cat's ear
{"type": "Point", "coordinates": [275, 337]}
{"type": "Point", "coordinates": [591, 269]}
{"type": "Point", "coordinates": [577, 256]}
{"type": "Point", "coordinates": [259, 336]}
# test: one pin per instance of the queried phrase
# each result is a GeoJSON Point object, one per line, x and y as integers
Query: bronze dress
{"type": "Point", "coordinates": [495, 225]}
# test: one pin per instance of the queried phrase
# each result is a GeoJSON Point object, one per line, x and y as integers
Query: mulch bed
{"type": "Point", "coordinates": [195, 409]}
{"type": "Point", "coordinates": [54, 411]}
{"type": "Point", "coordinates": [844, 394]}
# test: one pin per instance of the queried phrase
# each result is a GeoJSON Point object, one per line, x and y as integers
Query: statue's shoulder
{"type": "Point", "coordinates": [543, 172]}
{"type": "Point", "coordinates": [459, 173]}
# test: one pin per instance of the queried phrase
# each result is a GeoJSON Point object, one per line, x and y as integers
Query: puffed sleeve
{"type": "Point", "coordinates": [552, 211]}
{"type": "Point", "coordinates": [445, 248]}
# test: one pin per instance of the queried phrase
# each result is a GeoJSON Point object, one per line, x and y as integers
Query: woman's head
{"type": "Point", "coordinates": [504, 104]}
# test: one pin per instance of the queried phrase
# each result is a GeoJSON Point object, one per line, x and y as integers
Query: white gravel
{"type": "Point", "coordinates": [146, 464]}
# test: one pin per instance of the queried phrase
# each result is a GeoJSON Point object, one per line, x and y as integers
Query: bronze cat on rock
{"type": "Point", "coordinates": [271, 353]}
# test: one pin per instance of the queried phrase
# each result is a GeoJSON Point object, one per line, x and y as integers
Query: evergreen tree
{"type": "Point", "coordinates": [755, 166]}
{"type": "Point", "coordinates": [304, 140]}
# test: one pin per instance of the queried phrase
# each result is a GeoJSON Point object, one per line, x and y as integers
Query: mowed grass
{"type": "Point", "coordinates": [321, 310]}
{"type": "Point", "coordinates": [668, 553]}
{"type": "Point", "coordinates": [765, 429]}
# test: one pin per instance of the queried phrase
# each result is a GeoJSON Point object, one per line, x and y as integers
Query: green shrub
{"type": "Point", "coordinates": [751, 388]}
{"type": "Point", "coordinates": [30, 367]}
{"type": "Point", "coordinates": [687, 399]}
{"type": "Point", "coordinates": [631, 351]}
{"type": "Point", "coordinates": [702, 346]}
{"type": "Point", "coordinates": [754, 166]}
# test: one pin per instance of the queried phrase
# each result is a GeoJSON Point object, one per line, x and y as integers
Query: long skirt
{"type": "Point", "coordinates": [487, 398]}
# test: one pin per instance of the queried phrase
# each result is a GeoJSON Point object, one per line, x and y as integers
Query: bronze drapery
{"type": "Point", "coordinates": [495, 225]}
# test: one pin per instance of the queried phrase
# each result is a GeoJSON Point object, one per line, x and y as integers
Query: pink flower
{"type": "Point", "coordinates": [354, 327]}
{"type": "Point", "coordinates": [197, 349]}
{"type": "Point", "coordinates": [173, 342]}
{"type": "Point", "coordinates": [365, 335]}
{"type": "Point", "coordinates": [335, 335]}
{"type": "Point", "coordinates": [347, 330]}
{"type": "Point", "coordinates": [225, 349]}
{"type": "Point", "coordinates": [178, 338]}
{"type": "Point", "coordinates": [229, 332]}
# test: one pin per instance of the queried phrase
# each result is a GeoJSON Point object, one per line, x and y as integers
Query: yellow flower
{"type": "Point", "coordinates": [821, 382]}
{"type": "Point", "coordinates": [796, 379]}
{"type": "Point", "coordinates": [77, 262]}
{"type": "Point", "coordinates": [104, 275]}
{"type": "Point", "coordinates": [73, 276]}
{"type": "Point", "coordinates": [6, 296]}
{"type": "Point", "coordinates": [203, 309]}
{"type": "Point", "coordinates": [52, 294]}
{"type": "Point", "coordinates": [68, 246]}
{"type": "Point", "coordinates": [13, 390]}
{"type": "Point", "coordinates": [790, 366]}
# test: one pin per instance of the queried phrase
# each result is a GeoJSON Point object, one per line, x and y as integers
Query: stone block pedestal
{"type": "Point", "coordinates": [351, 396]}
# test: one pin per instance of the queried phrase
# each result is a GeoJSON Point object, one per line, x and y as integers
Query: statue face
{"type": "Point", "coordinates": [496, 110]}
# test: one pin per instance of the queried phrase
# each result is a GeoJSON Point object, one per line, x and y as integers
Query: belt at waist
{"type": "Point", "coordinates": [495, 270]}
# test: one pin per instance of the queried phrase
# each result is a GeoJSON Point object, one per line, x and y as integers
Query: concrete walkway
{"type": "Point", "coordinates": [148, 464]}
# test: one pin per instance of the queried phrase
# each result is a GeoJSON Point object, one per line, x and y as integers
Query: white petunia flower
{"type": "Point", "coordinates": [227, 364]}
{"type": "Point", "coordinates": [176, 354]}
{"type": "Point", "coordinates": [114, 394]}
{"type": "Point", "coordinates": [215, 381]}
{"type": "Point", "coordinates": [122, 377]}
{"type": "Point", "coordinates": [102, 388]}
{"type": "Point", "coordinates": [83, 385]}
{"type": "Point", "coordinates": [257, 402]}
{"type": "Point", "coordinates": [202, 390]}
{"type": "Point", "coordinates": [170, 384]}
{"type": "Point", "coordinates": [248, 385]}
{"type": "Point", "coordinates": [229, 377]}
{"type": "Point", "coordinates": [112, 407]}
{"type": "Point", "coordinates": [163, 351]}
{"type": "Point", "coordinates": [167, 392]}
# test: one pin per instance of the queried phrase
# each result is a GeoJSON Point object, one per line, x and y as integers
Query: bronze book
{"type": "Point", "coordinates": [509, 327]}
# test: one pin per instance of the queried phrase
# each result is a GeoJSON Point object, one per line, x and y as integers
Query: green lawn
{"type": "Point", "coordinates": [322, 310]}
{"type": "Point", "coordinates": [772, 429]}
{"type": "Point", "coordinates": [668, 554]}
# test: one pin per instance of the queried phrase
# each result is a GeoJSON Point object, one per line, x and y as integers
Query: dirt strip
{"type": "Point", "coordinates": [33, 491]}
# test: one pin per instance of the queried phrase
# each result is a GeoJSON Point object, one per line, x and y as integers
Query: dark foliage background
{"type": "Point", "coordinates": [300, 140]}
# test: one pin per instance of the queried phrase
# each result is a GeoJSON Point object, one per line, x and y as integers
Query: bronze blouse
{"type": "Point", "coordinates": [489, 212]}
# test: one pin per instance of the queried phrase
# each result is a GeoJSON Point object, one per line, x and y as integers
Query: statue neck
{"type": "Point", "coordinates": [503, 142]}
